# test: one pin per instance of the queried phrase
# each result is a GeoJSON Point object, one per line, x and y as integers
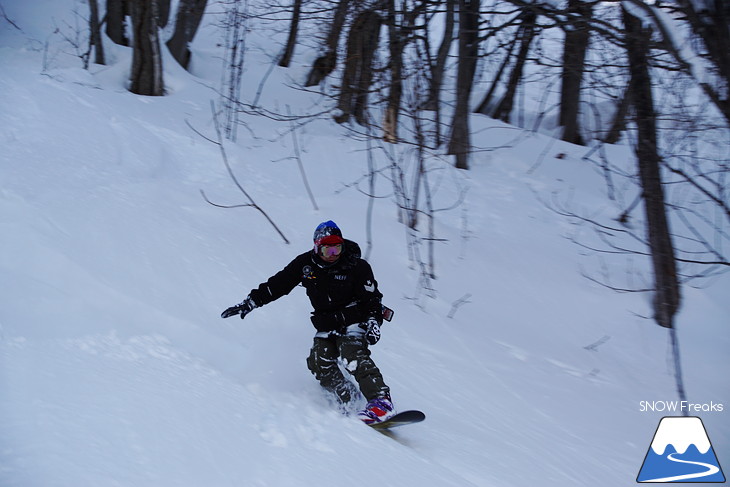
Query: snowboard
{"type": "Point", "coordinates": [400, 419]}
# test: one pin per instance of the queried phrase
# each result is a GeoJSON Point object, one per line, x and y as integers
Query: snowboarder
{"type": "Point", "coordinates": [347, 315]}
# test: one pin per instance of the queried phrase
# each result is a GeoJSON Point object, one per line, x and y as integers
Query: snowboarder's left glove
{"type": "Point", "coordinates": [372, 330]}
{"type": "Point", "coordinates": [243, 308]}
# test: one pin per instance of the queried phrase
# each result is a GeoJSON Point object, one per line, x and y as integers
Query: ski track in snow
{"type": "Point", "coordinates": [95, 395]}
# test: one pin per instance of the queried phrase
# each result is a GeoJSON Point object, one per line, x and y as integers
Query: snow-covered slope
{"type": "Point", "coordinates": [116, 370]}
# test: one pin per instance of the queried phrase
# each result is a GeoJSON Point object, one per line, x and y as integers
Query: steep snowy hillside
{"type": "Point", "coordinates": [116, 369]}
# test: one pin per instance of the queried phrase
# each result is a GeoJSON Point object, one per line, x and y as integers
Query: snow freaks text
{"type": "Point", "coordinates": [681, 407]}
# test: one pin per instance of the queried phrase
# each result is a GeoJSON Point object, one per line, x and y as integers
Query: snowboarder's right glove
{"type": "Point", "coordinates": [372, 330]}
{"type": "Point", "coordinates": [243, 308]}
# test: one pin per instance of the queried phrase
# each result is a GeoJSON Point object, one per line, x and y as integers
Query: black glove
{"type": "Point", "coordinates": [372, 330]}
{"type": "Point", "coordinates": [243, 308]}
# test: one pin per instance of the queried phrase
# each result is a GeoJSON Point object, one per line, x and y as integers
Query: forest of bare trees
{"type": "Point", "coordinates": [605, 60]}
{"type": "Point", "coordinates": [411, 77]}
{"type": "Point", "coordinates": [414, 73]}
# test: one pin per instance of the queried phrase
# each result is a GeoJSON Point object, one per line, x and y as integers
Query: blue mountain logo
{"type": "Point", "coordinates": [681, 452]}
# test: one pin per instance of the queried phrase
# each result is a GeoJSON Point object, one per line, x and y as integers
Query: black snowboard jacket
{"type": "Point", "coordinates": [342, 293]}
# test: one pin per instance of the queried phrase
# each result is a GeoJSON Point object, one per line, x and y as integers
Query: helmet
{"type": "Point", "coordinates": [327, 233]}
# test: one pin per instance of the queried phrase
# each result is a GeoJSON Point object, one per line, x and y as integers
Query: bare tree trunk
{"type": "Point", "coordinates": [368, 44]}
{"type": "Point", "coordinates": [666, 284]}
{"type": "Point", "coordinates": [483, 107]}
{"type": "Point", "coordinates": [95, 28]}
{"type": "Point", "coordinates": [116, 21]}
{"type": "Point", "coordinates": [399, 34]}
{"type": "Point", "coordinates": [189, 15]}
{"type": "Point", "coordinates": [395, 34]}
{"type": "Point", "coordinates": [163, 12]}
{"type": "Point", "coordinates": [326, 63]}
{"type": "Point", "coordinates": [527, 32]}
{"type": "Point", "coordinates": [146, 77]}
{"type": "Point", "coordinates": [667, 294]}
{"type": "Point", "coordinates": [619, 118]}
{"type": "Point", "coordinates": [291, 41]}
{"type": "Point", "coordinates": [437, 70]}
{"type": "Point", "coordinates": [362, 43]}
{"type": "Point", "coordinates": [718, 91]}
{"type": "Point", "coordinates": [712, 25]}
{"type": "Point", "coordinates": [460, 143]}
{"type": "Point", "coordinates": [577, 37]}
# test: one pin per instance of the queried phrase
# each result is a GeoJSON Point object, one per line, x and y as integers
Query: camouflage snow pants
{"type": "Point", "coordinates": [352, 348]}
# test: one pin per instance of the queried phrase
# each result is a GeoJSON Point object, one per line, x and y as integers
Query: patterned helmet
{"type": "Point", "coordinates": [327, 233]}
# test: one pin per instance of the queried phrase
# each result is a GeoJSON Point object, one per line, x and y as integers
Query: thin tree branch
{"type": "Point", "coordinates": [252, 203]}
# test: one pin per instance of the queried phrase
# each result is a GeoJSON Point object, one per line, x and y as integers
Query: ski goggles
{"type": "Point", "coordinates": [330, 250]}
